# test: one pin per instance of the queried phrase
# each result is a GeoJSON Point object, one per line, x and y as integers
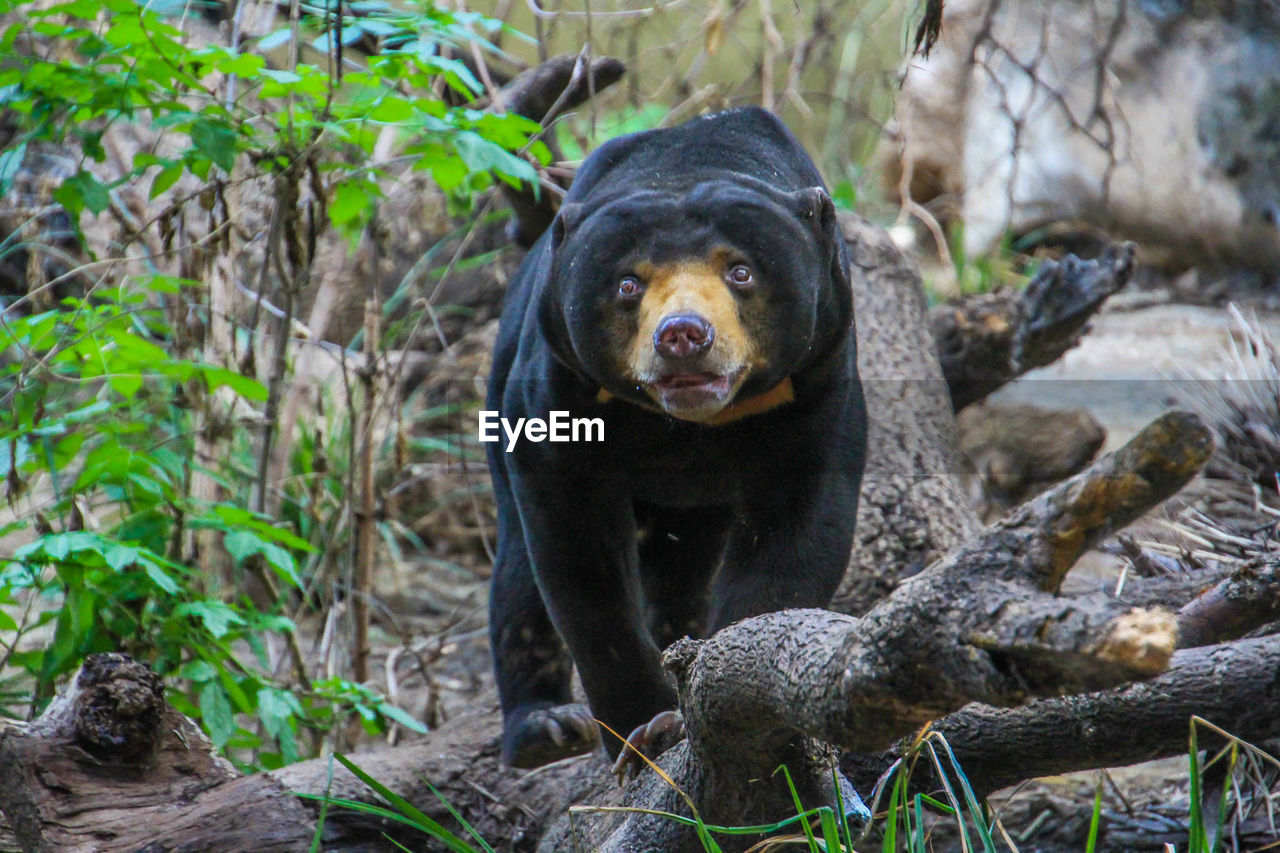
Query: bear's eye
{"type": "Point", "coordinates": [740, 275]}
{"type": "Point", "coordinates": [629, 287]}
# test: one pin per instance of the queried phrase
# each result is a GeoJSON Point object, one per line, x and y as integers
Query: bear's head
{"type": "Point", "coordinates": [691, 300]}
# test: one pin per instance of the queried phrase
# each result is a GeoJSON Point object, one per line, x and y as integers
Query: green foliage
{"type": "Point", "coordinates": [101, 413]}
{"type": "Point", "coordinates": [121, 61]}
{"type": "Point", "coordinates": [906, 811]}
{"type": "Point", "coordinates": [1004, 267]}
{"type": "Point", "coordinates": [96, 427]}
{"type": "Point", "coordinates": [1248, 778]}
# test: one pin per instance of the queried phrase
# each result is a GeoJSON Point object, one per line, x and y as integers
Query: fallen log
{"type": "Point", "coordinates": [111, 766]}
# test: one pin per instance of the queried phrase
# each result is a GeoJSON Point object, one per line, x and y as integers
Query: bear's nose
{"type": "Point", "coordinates": [683, 336]}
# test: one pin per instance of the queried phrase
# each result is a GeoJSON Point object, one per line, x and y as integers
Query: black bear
{"type": "Point", "coordinates": [692, 295]}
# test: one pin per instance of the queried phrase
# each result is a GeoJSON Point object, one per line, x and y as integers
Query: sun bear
{"type": "Point", "coordinates": [693, 294]}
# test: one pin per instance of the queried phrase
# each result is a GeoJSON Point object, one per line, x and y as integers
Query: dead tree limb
{"type": "Point", "coordinates": [982, 624]}
{"type": "Point", "coordinates": [912, 509]}
{"type": "Point", "coordinates": [1232, 684]}
{"type": "Point", "coordinates": [986, 340]}
{"type": "Point", "coordinates": [543, 94]}
{"type": "Point", "coordinates": [1234, 606]}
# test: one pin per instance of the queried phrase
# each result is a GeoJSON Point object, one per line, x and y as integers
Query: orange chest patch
{"type": "Point", "coordinates": [778, 395]}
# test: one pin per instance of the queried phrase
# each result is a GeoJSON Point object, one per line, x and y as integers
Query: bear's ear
{"type": "Point", "coordinates": [566, 220]}
{"type": "Point", "coordinates": [813, 205]}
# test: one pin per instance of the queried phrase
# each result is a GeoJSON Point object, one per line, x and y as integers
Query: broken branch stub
{"type": "Point", "coordinates": [990, 338]}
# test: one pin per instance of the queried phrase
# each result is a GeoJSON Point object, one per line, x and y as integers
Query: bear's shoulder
{"type": "Point", "coordinates": [750, 142]}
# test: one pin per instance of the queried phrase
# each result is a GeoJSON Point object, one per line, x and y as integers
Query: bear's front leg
{"type": "Point", "coordinates": [580, 532]}
{"type": "Point", "coordinates": [792, 540]}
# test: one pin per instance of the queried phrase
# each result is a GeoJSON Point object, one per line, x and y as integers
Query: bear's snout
{"type": "Point", "coordinates": [683, 336]}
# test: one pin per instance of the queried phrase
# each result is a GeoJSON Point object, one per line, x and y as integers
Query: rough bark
{"type": "Point", "coordinates": [986, 340]}
{"type": "Point", "coordinates": [912, 509]}
{"type": "Point", "coordinates": [111, 766]}
{"type": "Point", "coordinates": [1233, 685]}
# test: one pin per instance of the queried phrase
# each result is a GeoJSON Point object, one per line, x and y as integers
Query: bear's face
{"type": "Point", "coordinates": [687, 302]}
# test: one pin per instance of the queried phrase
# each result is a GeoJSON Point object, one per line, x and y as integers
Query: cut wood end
{"type": "Point", "coordinates": [1170, 450]}
{"type": "Point", "coordinates": [1118, 488]}
{"type": "Point", "coordinates": [1141, 640]}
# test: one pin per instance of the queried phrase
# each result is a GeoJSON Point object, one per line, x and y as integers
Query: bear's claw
{"type": "Point", "coordinates": [547, 734]}
{"type": "Point", "coordinates": [652, 739]}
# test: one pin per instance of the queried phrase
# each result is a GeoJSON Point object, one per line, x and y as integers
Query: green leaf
{"type": "Point", "coordinates": [120, 556]}
{"type": "Point", "coordinates": [216, 616]}
{"type": "Point", "coordinates": [10, 163]}
{"type": "Point", "coordinates": [167, 177]}
{"type": "Point", "coordinates": [482, 155]}
{"type": "Point", "coordinates": [215, 140]}
{"type": "Point", "coordinates": [198, 671]}
{"type": "Point", "coordinates": [391, 109]}
{"type": "Point", "coordinates": [274, 711]}
{"type": "Point", "coordinates": [215, 711]}
{"type": "Point", "coordinates": [242, 64]}
{"type": "Point", "coordinates": [449, 173]}
{"type": "Point", "coordinates": [241, 544]}
{"type": "Point", "coordinates": [162, 580]}
{"type": "Point", "coordinates": [402, 717]}
{"type": "Point", "coordinates": [125, 384]}
{"type": "Point", "coordinates": [351, 203]}
{"type": "Point", "coordinates": [87, 9]}
{"type": "Point", "coordinates": [283, 563]}
{"type": "Point", "coordinates": [59, 546]}
{"type": "Point", "coordinates": [246, 386]}
{"type": "Point", "coordinates": [82, 190]}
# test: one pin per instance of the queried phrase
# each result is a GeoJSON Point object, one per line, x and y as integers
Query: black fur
{"type": "Point", "coordinates": [667, 527]}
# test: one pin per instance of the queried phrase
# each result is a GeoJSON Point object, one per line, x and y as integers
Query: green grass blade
{"type": "Point", "coordinates": [890, 844]}
{"type": "Point", "coordinates": [413, 814]}
{"type": "Point", "coordinates": [795, 798]}
{"type": "Point", "coordinates": [458, 817]}
{"type": "Point", "coordinates": [1224, 805]}
{"type": "Point", "coordinates": [970, 799]}
{"type": "Point", "coordinates": [917, 831]}
{"type": "Point", "coordinates": [388, 814]}
{"type": "Point", "coordinates": [1092, 844]}
{"type": "Point", "coordinates": [1197, 841]}
{"type": "Point", "coordinates": [830, 831]}
{"type": "Point", "coordinates": [846, 834]}
{"type": "Point", "coordinates": [965, 844]}
{"type": "Point", "coordinates": [324, 809]}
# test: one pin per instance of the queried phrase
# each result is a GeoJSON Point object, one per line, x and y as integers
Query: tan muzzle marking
{"type": "Point", "coordinates": [689, 287]}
